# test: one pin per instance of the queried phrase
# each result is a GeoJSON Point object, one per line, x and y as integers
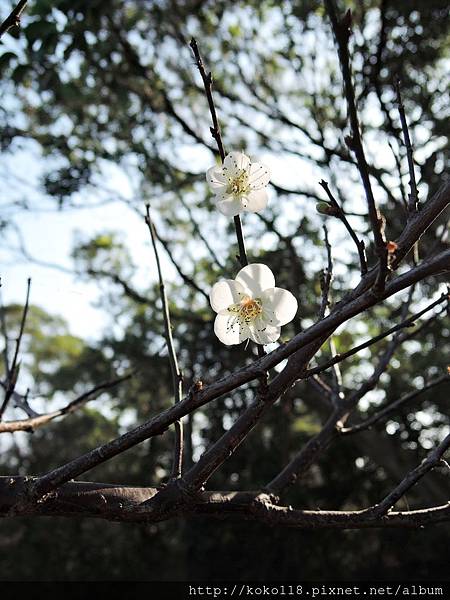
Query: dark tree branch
{"type": "Point", "coordinates": [360, 299]}
{"type": "Point", "coordinates": [37, 421]}
{"type": "Point", "coordinates": [159, 424]}
{"type": "Point", "coordinates": [326, 278]}
{"type": "Point", "coordinates": [413, 200]}
{"type": "Point", "coordinates": [177, 378]}
{"type": "Point", "coordinates": [187, 280]}
{"type": "Point", "coordinates": [13, 371]}
{"type": "Point", "coordinates": [360, 246]}
{"type": "Point", "coordinates": [390, 408]}
{"type": "Point", "coordinates": [207, 84]}
{"type": "Point", "coordinates": [21, 401]}
{"type": "Point", "coordinates": [13, 20]}
{"type": "Point", "coordinates": [342, 32]}
{"type": "Point", "coordinates": [343, 407]}
{"type": "Point", "coordinates": [133, 505]}
{"type": "Point", "coordinates": [215, 132]}
{"type": "Point", "coordinates": [411, 479]}
{"type": "Point", "coordinates": [404, 324]}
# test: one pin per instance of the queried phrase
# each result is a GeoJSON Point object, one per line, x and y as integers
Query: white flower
{"type": "Point", "coordinates": [250, 306]}
{"type": "Point", "coordinates": [239, 184]}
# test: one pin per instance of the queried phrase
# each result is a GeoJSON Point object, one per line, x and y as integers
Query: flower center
{"type": "Point", "coordinates": [238, 185]}
{"type": "Point", "coordinates": [247, 310]}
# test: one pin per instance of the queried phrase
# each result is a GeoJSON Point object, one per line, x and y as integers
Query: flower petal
{"type": "Point", "coordinates": [224, 293]}
{"type": "Point", "coordinates": [230, 207]}
{"type": "Point", "coordinates": [256, 278]}
{"type": "Point", "coordinates": [255, 201]}
{"type": "Point", "coordinates": [262, 333]}
{"type": "Point", "coordinates": [229, 331]}
{"type": "Point", "coordinates": [216, 178]}
{"type": "Point", "coordinates": [234, 163]}
{"type": "Point", "coordinates": [259, 176]}
{"type": "Point", "coordinates": [281, 303]}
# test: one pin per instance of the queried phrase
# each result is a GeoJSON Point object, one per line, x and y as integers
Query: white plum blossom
{"type": "Point", "coordinates": [239, 185]}
{"type": "Point", "coordinates": [251, 307]}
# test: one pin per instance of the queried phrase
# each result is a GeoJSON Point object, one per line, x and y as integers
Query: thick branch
{"type": "Point", "coordinates": [216, 455]}
{"type": "Point", "coordinates": [125, 504]}
{"type": "Point", "coordinates": [159, 424]}
{"type": "Point", "coordinates": [355, 302]}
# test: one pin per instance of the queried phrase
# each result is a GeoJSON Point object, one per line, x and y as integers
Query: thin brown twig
{"type": "Point", "coordinates": [215, 132]}
{"type": "Point", "coordinates": [326, 278]}
{"type": "Point", "coordinates": [413, 199]}
{"type": "Point", "coordinates": [188, 280]}
{"type": "Point", "coordinates": [13, 370]}
{"type": "Point", "coordinates": [360, 246]}
{"type": "Point", "coordinates": [177, 378]}
{"type": "Point", "coordinates": [405, 323]}
{"type": "Point", "coordinates": [388, 409]}
{"type": "Point", "coordinates": [342, 32]}
{"type": "Point", "coordinates": [411, 479]}
{"type": "Point", "coordinates": [37, 421]}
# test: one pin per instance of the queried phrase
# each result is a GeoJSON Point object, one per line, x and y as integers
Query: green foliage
{"type": "Point", "coordinates": [116, 85]}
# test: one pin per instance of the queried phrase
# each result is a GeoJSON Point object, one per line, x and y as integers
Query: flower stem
{"type": "Point", "coordinates": [241, 241]}
{"type": "Point", "coordinates": [215, 132]}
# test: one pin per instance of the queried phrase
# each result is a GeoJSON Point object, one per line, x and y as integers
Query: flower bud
{"type": "Point", "coordinates": [324, 208]}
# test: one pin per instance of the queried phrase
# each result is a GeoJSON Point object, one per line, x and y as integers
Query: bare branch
{"type": "Point", "coordinates": [327, 276]}
{"type": "Point", "coordinates": [301, 462]}
{"type": "Point", "coordinates": [177, 378]}
{"type": "Point", "coordinates": [21, 401]}
{"type": "Point", "coordinates": [188, 280]}
{"type": "Point", "coordinates": [404, 324]}
{"type": "Point", "coordinates": [411, 479]}
{"type": "Point", "coordinates": [13, 20]}
{"type": "Point", "coordinates": [133, 505]}
{"type": "Point", "coordinates": [413, 200]}
{"type": "Point", "coordinates": [13, 371]}
{"type": "Point", "coordinates": [342, 32]}
{"type": "Point", "coordinates": [35, 422]}
{"type": "Point", "coordinates": [157, 425]}
{"type": "Point", "coordinates": [390, 408]}
{"type": "Point", "coordinates": [360, 246]}
{"type": "Point", "coordinates": [215, 132]}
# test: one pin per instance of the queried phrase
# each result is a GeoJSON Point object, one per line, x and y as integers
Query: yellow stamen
{"type": "Point", "coordinates": [247, 310]}
{"type": "Point", "coordinates": [238, 185]}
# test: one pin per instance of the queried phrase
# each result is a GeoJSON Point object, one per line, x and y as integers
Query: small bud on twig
{"type": "Point", "coordinates": [324, 208]}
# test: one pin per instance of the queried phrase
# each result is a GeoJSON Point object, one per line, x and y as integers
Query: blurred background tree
{"type": "Point", "coordinates": [105, 98]}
